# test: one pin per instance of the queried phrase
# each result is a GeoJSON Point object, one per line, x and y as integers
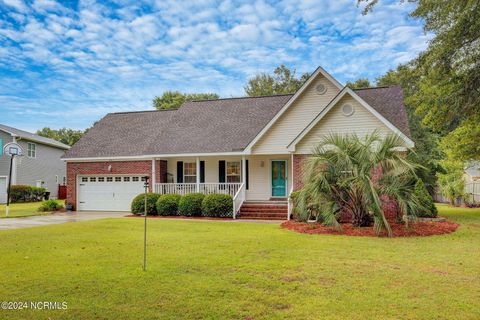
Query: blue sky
{"type": "Point", "coordinates": [68, 63]}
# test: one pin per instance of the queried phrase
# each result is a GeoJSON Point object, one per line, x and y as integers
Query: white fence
{"type": "Point", "coordinates": [472, 194]}
{"type": "Point", "coordinates": [473, 190]}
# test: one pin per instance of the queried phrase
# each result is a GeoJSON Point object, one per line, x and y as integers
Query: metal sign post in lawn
{"type": "Point", "coordinates": [11, 149]}
{"type": "Point", "coordinates": [145, 226]}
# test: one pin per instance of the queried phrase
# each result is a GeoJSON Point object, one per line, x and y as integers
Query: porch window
{"type": "Point", "coordinates": [233, 171]}
{"type": "Point", "coordinates": [189, 172]}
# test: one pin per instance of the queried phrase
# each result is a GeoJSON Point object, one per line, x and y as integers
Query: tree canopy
{"type": "Point", "coordinates": [174, 99]}
{"type": "Point", "coordinates": [282, 81]}
{"type": "Point", "coordinates": [447, 94]}
{"type": "Point", "coordinates": [359, 83]}
{"type": "Point", "coordinates": [63, 135]}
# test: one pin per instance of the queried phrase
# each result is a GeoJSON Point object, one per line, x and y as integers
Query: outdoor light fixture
{"type": "Point", "coordinates": [109, 168]}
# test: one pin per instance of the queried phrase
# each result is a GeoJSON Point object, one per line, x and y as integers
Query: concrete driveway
{"type": "Point", "coordinates": [35, 221]}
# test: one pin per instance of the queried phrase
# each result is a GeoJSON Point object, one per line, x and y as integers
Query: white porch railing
{"type": "Point", "coordinates": [178, 188]}
{"type": "Point", "coordinates": [238, 200]}
{"type": "Point", "coordinates": [205, 188]}
{"type": "Point", "coordinates": [235, 190]}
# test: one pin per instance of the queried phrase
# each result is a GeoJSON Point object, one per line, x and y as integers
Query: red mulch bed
{"type": "Point", "coordinates": [177, 217]}
{"type": "Point", "coordinates": [416, 229]}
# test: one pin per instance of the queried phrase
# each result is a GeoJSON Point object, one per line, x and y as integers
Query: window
{"type": "Point", "coordinates": [126, 179]}
{"type": "Point", "coordinates": [31, 150]}
{"type": "Point", "coordinates": [56, 179]}
{"type": "Point", "coordinates": [109, 179]}
{"type": "Point", "coordinates": [233, 171]}
{"type": "Point", "coordinates": [84, 179]}
{"type": "Point", "coordinates": [135, 179]}
{"type": "Point", "coordinates": [118, 179]}
{"type": "Point", "coordinates": [93, 179]}
{"type": "Point", "coordinates": [101, 179]}
{"type": "Point", "coordinates": [190, 172]}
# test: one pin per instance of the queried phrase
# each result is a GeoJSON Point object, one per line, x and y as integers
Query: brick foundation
{"type": "Point", "coordinates": [117, 167]}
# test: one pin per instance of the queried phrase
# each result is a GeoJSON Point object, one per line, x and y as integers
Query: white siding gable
{"type": "Point", "coordinates": [361, 122]}
{"type": "Point", "coordinates": [306, 107]}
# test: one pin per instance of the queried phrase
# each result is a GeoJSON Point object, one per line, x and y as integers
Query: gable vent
{"type": "Point", "coordinates": [321, 88]}
{"type": "Point", "coordinates": [347, 109]}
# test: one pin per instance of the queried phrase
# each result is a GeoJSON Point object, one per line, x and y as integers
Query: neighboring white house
{"type": "Point", "coordinates": [40, 166]}
{"type": "Point", "coordinates": [251, 147]}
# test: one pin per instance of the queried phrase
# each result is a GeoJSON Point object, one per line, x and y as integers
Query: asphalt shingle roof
{"type": "Point", "coordinates": [33, 137]}
{"type": "Point", "coordinates": [388, 101]}
{"type": "Point", "coordinates": [223, 125]}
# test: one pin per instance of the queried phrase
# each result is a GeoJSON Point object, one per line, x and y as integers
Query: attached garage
{"type": "Point", "coordinates": [107, 192]}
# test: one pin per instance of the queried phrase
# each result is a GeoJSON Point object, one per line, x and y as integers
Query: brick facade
{"type": "Point", "coordinates": [299, 163]}
{"type": "Point", "coordinates": [117, 167]}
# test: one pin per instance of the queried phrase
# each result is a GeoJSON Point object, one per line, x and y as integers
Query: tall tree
{"type": "Point", "coordinates": [282, 81]}
{"type": "Point", "coordinates": [63, 135]}
{"type": "Point", "coordinates": [427, 153]}
{"type": "Point", "coordinates": [174, 99]}
{"type": "Point", "coordinates": [449, 87]}
{"type": "Point", "coordinates": [359, 83]}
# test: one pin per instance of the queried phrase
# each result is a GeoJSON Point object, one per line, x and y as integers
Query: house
{"type": "Point", "coordinates": [40, 166]}
{"type": "Point", "coordinates": [471, 172]}
{"type": "Point", "coordinates": [252, 147]}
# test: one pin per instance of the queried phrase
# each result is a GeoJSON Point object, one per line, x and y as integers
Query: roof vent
{"type": "Point", "coordinates": [347, 109]}
{"type": "Point", "coordinates": [321, 88]}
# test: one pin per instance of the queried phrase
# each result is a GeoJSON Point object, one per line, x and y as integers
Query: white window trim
{"type": "Point", "coordinates": [190, 175]}
{"type": "Point", "coordinates": [29, 150]}
{"type": "Point", "coordinates": [233, 175]}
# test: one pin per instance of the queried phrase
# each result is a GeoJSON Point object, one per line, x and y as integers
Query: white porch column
{"type": "Point", "coordinates": [154, 175]}
{"type": "Point", "coordinates": [198, 174]}
{"type": "Point", "coordinates": [244, 171]}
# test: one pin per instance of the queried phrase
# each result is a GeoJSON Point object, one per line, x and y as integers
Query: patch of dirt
{"type": "Point", "coordinates": [415, 229]}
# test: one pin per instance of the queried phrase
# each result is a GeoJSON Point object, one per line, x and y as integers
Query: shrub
{"type": "Point", "coordinates": [26, 193]}
{"type": "Point", "coordinates": [50, 205]}
{"type": "Point", "coordinates": [191, 204]}
{"type": "Point", "coordinates": [428, 209]}
{"type": "Point", "coordinates": [217, 205]}
{"type": "Point", "coordinates": [167, 204]}
{"type": "Point", "coordinates": [138, 204]}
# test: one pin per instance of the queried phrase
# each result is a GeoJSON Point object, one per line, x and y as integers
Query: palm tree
{"type": "Point", "coordinates": [348, 173]}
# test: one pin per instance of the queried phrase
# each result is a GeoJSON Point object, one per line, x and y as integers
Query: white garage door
{"type": "Point", "coordinates": [107, 193]}
{"type": "Point", "coordinates": [3, 190]}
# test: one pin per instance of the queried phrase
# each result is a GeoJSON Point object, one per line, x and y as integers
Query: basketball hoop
{"type": "Point", "coordinates": [11, 149]}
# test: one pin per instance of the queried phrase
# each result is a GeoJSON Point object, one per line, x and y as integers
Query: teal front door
{"type": "Point", "coordinates": [279, 178]}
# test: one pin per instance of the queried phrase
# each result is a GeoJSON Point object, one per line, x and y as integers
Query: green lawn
{"type": "Point", "coordinates": [21, 210]}
{"type": "Point", "coordinates": [218, 270]}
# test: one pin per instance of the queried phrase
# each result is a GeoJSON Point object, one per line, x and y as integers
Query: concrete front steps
{"type": "Point", "coordinates": [264, 210]}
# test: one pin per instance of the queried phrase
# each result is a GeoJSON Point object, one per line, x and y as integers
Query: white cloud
{"type": "Point", "coordinates": [71, 65]}
{"type": "Point", "coordinates": [19, 5]}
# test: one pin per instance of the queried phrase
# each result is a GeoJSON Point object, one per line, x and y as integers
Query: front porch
{"type": "Point", "coordinates": [247, 179]}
